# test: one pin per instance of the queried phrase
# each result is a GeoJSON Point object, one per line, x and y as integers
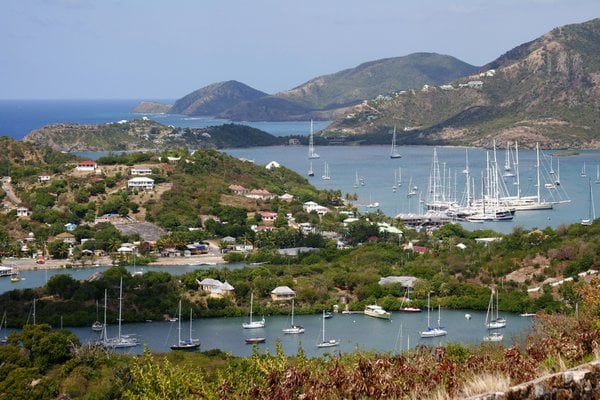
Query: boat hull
{"type": "Point", "coordinates": [255, 340]}
{"type": "Point", "coordinates": [186, 345]}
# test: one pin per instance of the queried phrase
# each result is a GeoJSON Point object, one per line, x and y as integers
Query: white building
{"type": "Point", "coordinates": [215, 287]}
{"type": "Point", "coordinates": [140, 171]}
{"type": "Point", "coordinates": [88, 166]}
{"type": "Point", "coordinates": [140, 183]}
{"type": "Point", "coordinates": [311, 206]}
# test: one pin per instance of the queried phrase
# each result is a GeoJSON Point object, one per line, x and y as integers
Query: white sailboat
{"type": "Point", "coordinates": [293, 329]}
{"type": "Point", "coordinates": [493, 334]}
{"type": "Point", "coordinates": [185, 344]}
{"type": "Point", "coordinates": [433, 331]}
{"type": "Point", "coordinates": [356, 181]}
{"type": "Point", "coordinates": [253, 324]}
{"type": "Point", "coordinates": [597, 173]}
{"type": "Point", "coordinates": [399, 176]}
{"type": "Point", "coordinates": [583, 172]}
{"type": "Point", "coordinates": [311, 144]}
{"type": "Point", "coordinates": [310, 169]}
{"type": "Point", "coordinates": [591, 212]}
{"type": "Point", "coordinates": [326, 343]}
{"type": "Point", "coordinates": [325, 175]}
{"type": "Point", "coordinates": [492, 322]}
{"type": "Point", "coordinates": [120, 341]}
{"type": "Point", "coordinates": [97, 326]}
{"type": "Point", "coordinates": [507, 164]}
{"type": "Point", "coordinates": [395, 183]}
{"type": "Point", "coordinates": [394, 152]}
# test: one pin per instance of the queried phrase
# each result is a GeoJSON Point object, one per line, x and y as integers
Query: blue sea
{"type": "Point", "coordinates": [19, 117]}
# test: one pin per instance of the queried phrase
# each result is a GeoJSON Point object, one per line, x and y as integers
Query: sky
{"type": "Point", "coordinates": [164, 49]}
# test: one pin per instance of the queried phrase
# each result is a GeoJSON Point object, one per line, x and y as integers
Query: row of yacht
{"type": "Point", "coordinates": [489, 197]}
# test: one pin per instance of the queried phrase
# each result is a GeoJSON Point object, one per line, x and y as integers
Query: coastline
{"type": "Point", "coordinates": [30, 264]}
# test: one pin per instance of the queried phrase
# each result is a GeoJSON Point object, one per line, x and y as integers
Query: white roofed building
{"type": "Point", "coordinates": [281, 293]}
{"type": "Point", "coordinates": [140, 182]}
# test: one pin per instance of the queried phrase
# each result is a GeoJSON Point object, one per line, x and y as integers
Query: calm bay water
{"type": "Point", "coordinates": [376, 167]}
{"type": "Point", "coordinates": [354, 332]}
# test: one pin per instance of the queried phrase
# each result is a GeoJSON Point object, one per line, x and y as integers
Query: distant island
{"type": "Point", "coordinates": [144, 134]}
{"type": "Point", "coordinates": [152, 107]}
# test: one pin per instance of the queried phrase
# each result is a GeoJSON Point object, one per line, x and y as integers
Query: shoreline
{"type": "Point", "coordinates": [30, 264]}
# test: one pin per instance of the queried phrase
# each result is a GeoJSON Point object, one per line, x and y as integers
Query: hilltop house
{"type": "Point", "coordinates": [215, 287]}
{"type": "Point", "coordinates": [141, 183]}
{"type": "Point", "coordinates": [281, 293]}
{"type": "Point", "coordinates": [406, 282]}
{"type": "Point", "coordinates": [268, 216]}
{"type": "Point", "coordinates": [238, 189]}
{"type": "Point", "coordinates": [22, 212]}
{"type": "Point", "coordinates": [66, 237]}
{"type": "Point", "coordinates": [141, 170]}
{"type": "Point", "coordinates": [311, 206]}
{"type": "Point", "coordinates": [87, 166]}
{"type": "Point", "coordinates": [43, 178]}
{"type": "Point", "coordinates": [259, 194]}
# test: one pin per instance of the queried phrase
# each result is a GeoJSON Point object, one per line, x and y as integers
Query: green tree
{"type": "Point", "coordinates": [58, 249]}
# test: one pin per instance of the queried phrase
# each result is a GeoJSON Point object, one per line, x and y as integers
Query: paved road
{"type": "Point", "coordinates": [10, 193]}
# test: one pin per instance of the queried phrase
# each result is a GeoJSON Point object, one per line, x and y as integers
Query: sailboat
{"type": "Point", "coordinates": [591, 215]}
{"type": "Point", "coordinates": [185, 344]}
{"type": "Point", "coordinates": [412, 190]}
{"type": "Point", "coordinates": [311, 144]}
{"type": "Point", "coordinates": [293, 328]}
{"type": "Point", "coordinates": [97, 326]}
{"type": "Point", "coordinates": [492, 336]}
{"type": "Point", "coordinates": [121, 341]}
{"type": "Point", "coordinates": [393, 152]}
{"type": "Point", "coordinates": [597, 173]}
{"type": "Point", "coordinates": [433, 331]}
{"type": "Point", "coordinates": [326, 343]}
{"type": "Point", "coordinates": [356, 180]}
{"type": "Point", "coordinates": [583, 173]}
{"type": "Point", "coordinates": [310, 169]}
{"type": "Point", "coordinates": [507, 166]}
{"type": "Point", "coordinates": [399, 176]}
{"type": "Point", "coordinates": [491, 322]}
{"type": "Point", "coordinates": [395, 184]}
{"type": "Point", "coordinates": [325, 175]}
{"type": "Point", "coordinates": [408, 307]}
{"type": "Point", "coordinates": [15, 276]}
{"type": "Point", "coordinates": [253, 324]}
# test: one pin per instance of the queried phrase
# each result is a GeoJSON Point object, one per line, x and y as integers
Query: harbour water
{"type": "Point", "coordinates": [354, 332]}
{"type": "Point", "coordinates": [378, 171]}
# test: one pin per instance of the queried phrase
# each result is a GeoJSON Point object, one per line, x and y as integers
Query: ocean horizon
{"type": "Point", "coordinates": [19, 117]}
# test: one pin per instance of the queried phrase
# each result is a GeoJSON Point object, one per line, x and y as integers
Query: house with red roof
{"type": "Point", "coordinates": [87, 166]}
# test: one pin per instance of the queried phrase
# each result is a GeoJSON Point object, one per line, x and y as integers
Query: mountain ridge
{"type": "Point", "coordinates": [546, 90]}
{"type": "Point", "coordinates": [323, 97]}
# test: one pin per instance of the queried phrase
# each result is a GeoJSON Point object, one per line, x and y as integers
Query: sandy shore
{"type": "Point", "coordinates": [28, 264]}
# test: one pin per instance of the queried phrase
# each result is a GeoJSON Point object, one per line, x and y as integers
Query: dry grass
{"type": "Point", "coordinates": [484, 383]}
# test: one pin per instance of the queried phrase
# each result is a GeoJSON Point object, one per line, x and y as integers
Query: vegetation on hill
{"type": "Point", "coordinates": [543, 91]}
{"type": "Point", "coordinates": [144, 134]}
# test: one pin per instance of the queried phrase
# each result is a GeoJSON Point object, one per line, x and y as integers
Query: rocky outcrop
{"type": "Point", "coordinates": [580, 383]}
